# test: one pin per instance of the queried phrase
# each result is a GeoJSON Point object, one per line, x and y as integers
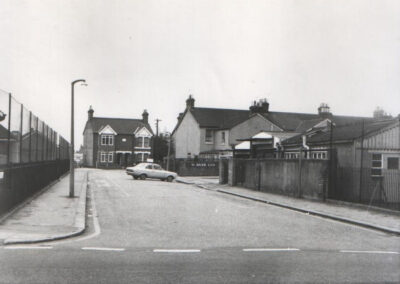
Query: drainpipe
{"type": "Point", "coordinates": [305, 146]}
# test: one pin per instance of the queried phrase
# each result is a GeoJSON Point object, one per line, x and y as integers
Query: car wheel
{"type": "Point", "coordinates": [135, 177]}
{"type": "Point", "coordinates": [170, 178]}
{"type": "Point", "coordinates": [142, 176]}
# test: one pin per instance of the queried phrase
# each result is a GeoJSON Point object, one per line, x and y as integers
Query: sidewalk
{"type": "Point", "coordinates": [375, 218]}
{"type": "Point", "coordinates": [50, 215]}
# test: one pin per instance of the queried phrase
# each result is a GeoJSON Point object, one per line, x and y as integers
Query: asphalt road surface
{"type": "Point", "coordinates": [158, 232]}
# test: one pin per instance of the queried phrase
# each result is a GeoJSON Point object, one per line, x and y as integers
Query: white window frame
{"type": "Point", "coordinates": [107, 139]}
{"type": "Point", "coordinates": [212, 137]}
{"type": "Point", "coordinates": [374, 167]}
{"type": "Point", "coordinates": [110, 157]}
{"type": "Point", "coordinates": [142, 144]}
{"type": "Point", "coordinates": [103, 157]}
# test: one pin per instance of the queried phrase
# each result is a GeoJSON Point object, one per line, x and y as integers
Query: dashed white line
{"type": "Point", "coordinates": [370, 251]}
{"type": "Point", "coordinates": [177, 250]}
{"type": "Point", "coordinates": [28, 247]}
{"type": "Point", "coordinates": [269, 249]}
{"type": "Point", "coordinates": [103, 249]}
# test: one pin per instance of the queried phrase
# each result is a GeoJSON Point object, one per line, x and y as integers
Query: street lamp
{"type": "Point", "coordinates": [71, 154]}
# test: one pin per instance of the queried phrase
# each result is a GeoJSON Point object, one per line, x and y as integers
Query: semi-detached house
{"type": "Point", "coordinates": [116, 142]}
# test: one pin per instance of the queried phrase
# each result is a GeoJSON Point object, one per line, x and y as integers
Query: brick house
{"type": "Point", "coordinates": [116, 142]}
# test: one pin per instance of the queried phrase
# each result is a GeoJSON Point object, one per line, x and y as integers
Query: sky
{"type": "Point", "coordinates": [148, 54]}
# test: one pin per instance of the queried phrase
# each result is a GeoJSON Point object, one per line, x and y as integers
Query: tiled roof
{"type": "Point", "coordinates": [120, 125]}
{"type": "Point", "coordinates": [344, 132]}
{"type": "Point", "coordinates": [219, 118]}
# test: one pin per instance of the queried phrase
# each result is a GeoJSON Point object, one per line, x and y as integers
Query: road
{"type": "Point", "coordinates": [158, 232]}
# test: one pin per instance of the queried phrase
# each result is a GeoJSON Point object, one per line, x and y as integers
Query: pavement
{"type": "Point", "coordinates": [52, 215]}
{"type": "Point", "coordinates": [375, 218]}
{"type": "Point", "coordinates": [49, 215]}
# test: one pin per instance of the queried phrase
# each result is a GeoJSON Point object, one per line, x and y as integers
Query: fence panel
{"type": "Point", "coordinates": [34, 138]}
{"type": "Point", "coordinates": [26, 141]}
{"type": "Point", "coordinates": [14, 149]}
{"type": "Point", "coordinates": [4, 101]}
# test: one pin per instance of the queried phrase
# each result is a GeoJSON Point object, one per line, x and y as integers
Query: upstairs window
{"type": "Point", "coordinates": [107, 139]}
{"type": "Point", "coordinates": [223, 138]}
{"type": "Point", "coordinates": [376, 167]}
{"type": "Point", "coordinates": [209, 136]}
{"type": "Point", "coordinates": [146, 142]}
{"type": "Point", "coordinates": [142, 142]}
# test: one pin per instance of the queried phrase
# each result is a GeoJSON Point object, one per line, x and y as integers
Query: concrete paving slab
{"type": "Point", "coordinates": [49, 216]}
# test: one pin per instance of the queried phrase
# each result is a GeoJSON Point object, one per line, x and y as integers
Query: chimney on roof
{"type": "Point", "coordinates": [324, 111]}
{"type": "Point", "coordinates": [262, 106]}
{"type": "Point", "coordinates": [145, 116]}
{"type": "Point", "coordinates": [190, 102]}
{"type": "Point", "coordinates": [90, 113]}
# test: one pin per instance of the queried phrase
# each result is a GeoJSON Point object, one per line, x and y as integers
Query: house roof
{"type": "Point", "coordinates": [219, 118]}
{"type": "Point", "coordinates": [119, 125]}
{"type": "Point", "coordinates": [344, 132]}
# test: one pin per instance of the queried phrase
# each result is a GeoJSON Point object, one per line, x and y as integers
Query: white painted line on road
{"type": "Point", "coordinates": [269, 249]}
{"type": "Point", "coordinates": [103, 249]}
{"type": "Point", "coordinates": [177, 250]}
{"type": "Point", "coordinates": [28, 247]}
{"type": "Point", "coordinates": [370, 251]}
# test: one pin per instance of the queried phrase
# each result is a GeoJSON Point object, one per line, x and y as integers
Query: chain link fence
{"type": "Point", "coordinates": [24, 138]}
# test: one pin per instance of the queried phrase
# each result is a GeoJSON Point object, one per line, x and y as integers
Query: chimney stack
{"type": "Point", "coordinates": [324, 111]}
{"type": "Point", "coordinates": [90, 113]}
{"type": "Point", "coordinates": [145, 116]}
{"type": "Point", "coordinates": [262, 106]}
{"type": "Point", "coordinates": [190, 102]}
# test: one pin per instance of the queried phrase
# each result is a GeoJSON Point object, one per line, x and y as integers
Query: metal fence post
{"type": "Point", "coordinates": [20, 133]}
{"type": "Point", "coordinates": [30, 136]}
{"type": "Point", "coordinates": [9, 129]}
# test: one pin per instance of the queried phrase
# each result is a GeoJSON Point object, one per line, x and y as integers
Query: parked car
{"type": "Point", "coordinates": [150, 170]}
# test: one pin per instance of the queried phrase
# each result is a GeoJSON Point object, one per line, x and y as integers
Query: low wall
{"type": "Point", "coordinates": [281, 176]}
{"type": "Point", "coordinates": [191, 167]}
{"type": "Point", "coordinates": [22, 181]}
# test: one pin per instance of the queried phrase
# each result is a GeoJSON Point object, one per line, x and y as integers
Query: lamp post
{"type": "Point", "coordinates": [71, 154]}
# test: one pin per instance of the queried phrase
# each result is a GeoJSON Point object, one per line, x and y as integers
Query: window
{"type": "Point", "coordinates": [209, 136]}
{"type": "Point", "coordinates": [107, 139]}
{"type": "Point", "coordinates": [142, 142]}
{"type": "Point", "coordinates": [376, 167]}
{"type": "Point", "coordinates": [106, 157]}
{"type": "Point", "coordinates": [146, 142]}
{"type": "Point", "coordinates": [392, 163]}
{"type": "Point", "coordinates": [123, 139]}
{"type": "Point", "coordinates": [223, 138]}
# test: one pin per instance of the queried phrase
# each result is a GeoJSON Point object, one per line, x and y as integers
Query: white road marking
{"type": "Point", "coordinates": [28, 247]}
{"type": "Point", "coordinates": [177, 250]}
{"type": "Point", "coordinates": [103, 249]}
{"type": "Point", "coordinates": [370, 251]}
{"type": "Point", "coordinates": [269, 249]}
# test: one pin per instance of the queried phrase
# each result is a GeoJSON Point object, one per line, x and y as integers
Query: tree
{"type": "Point", "coordinates": [160, 147]}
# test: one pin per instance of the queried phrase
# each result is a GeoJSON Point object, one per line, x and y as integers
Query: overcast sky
{"type": "Point", "coordinates": [151, 55]}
